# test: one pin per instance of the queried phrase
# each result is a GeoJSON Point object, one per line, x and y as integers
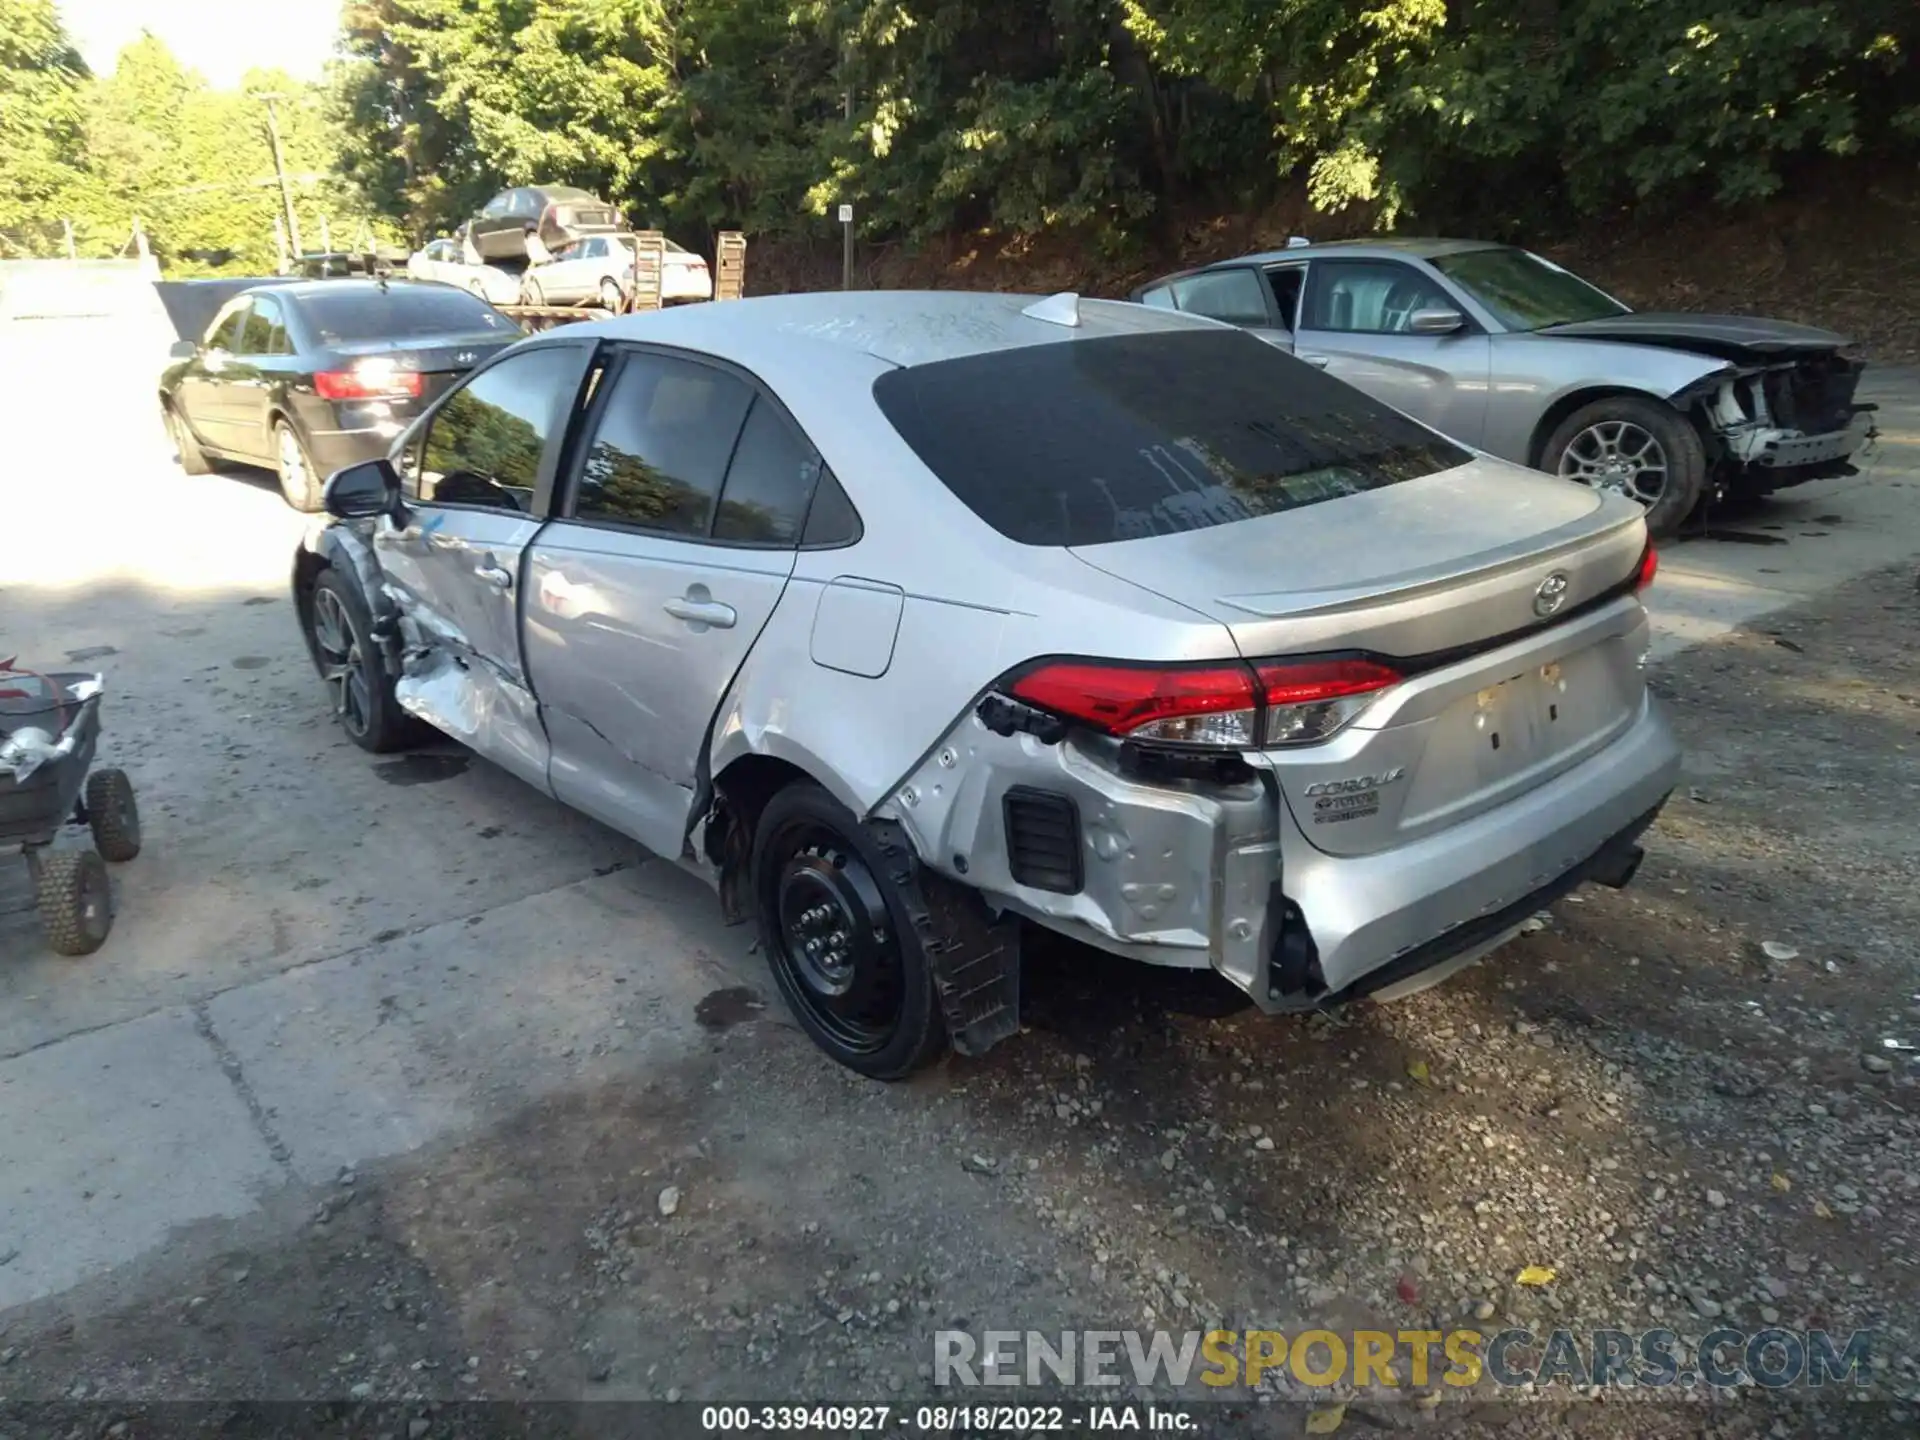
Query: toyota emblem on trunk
{"type": "Point", "coordinates": [1551, 595]}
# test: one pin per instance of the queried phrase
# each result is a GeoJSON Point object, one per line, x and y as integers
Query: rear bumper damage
{"type": "Point", "coordinates": [1210, 868]}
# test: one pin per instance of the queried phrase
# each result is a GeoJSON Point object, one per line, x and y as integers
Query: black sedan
{"type": "Point", "coordinates": [307, 377]}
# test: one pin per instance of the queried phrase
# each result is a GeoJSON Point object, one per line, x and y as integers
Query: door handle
{"type": "Point", "coordinates": [497, 576]}
{"type": "Point", "coordinates": [702, 612]}
{"type": "Point", "coordinates": [1319, 362]}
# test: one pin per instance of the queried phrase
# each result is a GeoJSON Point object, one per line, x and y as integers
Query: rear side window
{"type": "Point", "coordinates": [1238, 297]}
{"type": "Point", "coordinates": [401, 312]}
{"type": "Point", "coordinates": [769, 483]}
{"type": "Point", "coordinates": [1080, 442]}
{"type": "Point", "coordinates": [661, 446]}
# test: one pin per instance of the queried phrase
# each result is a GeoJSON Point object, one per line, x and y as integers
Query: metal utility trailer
{"type": "Point", "coordinates": [729, 283]}
{"type": "Point", "coordinates": [49, 733]}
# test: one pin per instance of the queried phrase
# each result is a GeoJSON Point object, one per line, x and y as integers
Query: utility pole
{"type": "Point", "coordinates": [846, 211]}
{"type": "Point", "coordinates": [72, 252]}
{"type": "Point", "coordinates": [280, 169]}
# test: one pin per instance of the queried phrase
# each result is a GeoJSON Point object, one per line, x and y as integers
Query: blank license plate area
{"type": "Point", "coordinates": [1543, 712]}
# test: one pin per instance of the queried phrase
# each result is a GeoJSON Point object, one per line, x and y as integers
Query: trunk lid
{"type": "Point", "coordinates": [1430, 565]}
{"type": "Point", "coordinates": [1487, 584]}
{"type": "Point", "coordinates": [440, 359]}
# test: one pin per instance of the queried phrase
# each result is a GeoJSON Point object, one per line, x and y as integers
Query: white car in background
{"type": "Point", "coordinates": [598, 269]}
{"type": "Point", "coordinates": [443, 262]}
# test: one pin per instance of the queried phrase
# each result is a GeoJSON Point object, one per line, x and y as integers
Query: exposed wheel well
{"type": "Point", "coordinates": [307, 570]}
{"type": "Point", "coordinates": [740, 793]}
{"type": "Point", "coordinates": [1565, 406]}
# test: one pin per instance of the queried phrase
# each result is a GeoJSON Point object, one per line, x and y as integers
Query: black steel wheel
{"type": "Point", "coordinates": [112, 815]}
{"type": "Point", "coordinates": [357, 683]}
{"type": "Point", "coordinates": [611, 297]}
{"type": "Point", "coordinates": [838, 940]}
{"type": "Point", "coordinates": [75, 899]}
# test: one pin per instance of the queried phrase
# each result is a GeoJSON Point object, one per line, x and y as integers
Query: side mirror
{"type": "Point", "coordinates": [1435, 322]}
{"type": "Point", "coordinates": [182, 350]}
{"type": "Point", "coordinates": [359, 492]}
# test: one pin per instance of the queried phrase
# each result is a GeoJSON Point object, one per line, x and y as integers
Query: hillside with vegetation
{"type": "Point", "coordinates": [989, 140]}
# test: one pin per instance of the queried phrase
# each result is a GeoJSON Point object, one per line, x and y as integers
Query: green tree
{"type": "Point", "coordinates": [42, 108]}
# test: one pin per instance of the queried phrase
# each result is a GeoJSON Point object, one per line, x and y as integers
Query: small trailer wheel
{"type": "Point", "coordinates": [113, 816]}
{"type": "Point", "coordinates": [76, 900]}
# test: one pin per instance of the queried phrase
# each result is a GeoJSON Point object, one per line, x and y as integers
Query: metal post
{"type": "Point", "coordinates": [280, 169]}
{"type": "Point", "coordinates": [326, 236]}
{"type": "Point", "coordinates": [846, 211]}
{"type": "Point", "coordinates": [72, 252]}
{"type": "Point", "coordinates": [280, 245]}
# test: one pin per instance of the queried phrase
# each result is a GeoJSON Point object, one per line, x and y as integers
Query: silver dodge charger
{"type": "Point", "coordinates": [909, 620]}
{"type": "Point", "coordinates": [1507, 351]}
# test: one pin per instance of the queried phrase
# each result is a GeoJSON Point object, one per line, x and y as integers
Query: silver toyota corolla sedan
{"type": "Point", "coordinates": [907, 619]}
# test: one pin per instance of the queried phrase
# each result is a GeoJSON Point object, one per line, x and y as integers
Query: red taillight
{"type": "Point", "coordinates": [1230, 705]}
{"type": "Point", "coordinates": [1649, 567]}
{"type": "Point", "coordinates": [366, 382]}
{"type": "Point", "coordinates": [1309, 700]}
{"type": "Point", "coordinates": [1184, 704]}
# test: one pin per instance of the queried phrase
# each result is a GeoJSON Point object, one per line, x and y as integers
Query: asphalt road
{"type": "Point", "coordinates": [323, 959]}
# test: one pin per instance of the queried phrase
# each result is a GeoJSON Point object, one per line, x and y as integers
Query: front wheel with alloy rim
{"type": "Point", "coordinates": [1639, 448]}
{"type": "Point", "coordinates": [298, 482]}
{"type": "Point", "coordinates": [357, 683]}
{"type": "Point", "coordinates": [837, 936]}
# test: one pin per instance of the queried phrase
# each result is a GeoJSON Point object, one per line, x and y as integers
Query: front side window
{"type": "Point", "coordinates": [224, 332]}
{"type": "Point", "coordinates": [1236, 296]}
{"type": "Point", "coordinates": [1082, 442]}
{"type": "Point", "coordinates": [261, 332]}
{"type": "Point", "coordinates": [660, 450]}
{"type": "Point", "coordinates": [483, 445]}
{"type": "Point", "coordinates": [1525, 292]}
{"type": "Point", "coordinates": [1372, 297]}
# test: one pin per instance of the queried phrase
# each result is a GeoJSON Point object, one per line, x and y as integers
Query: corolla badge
{"type": "Point", "coordinates": [1551, 594]}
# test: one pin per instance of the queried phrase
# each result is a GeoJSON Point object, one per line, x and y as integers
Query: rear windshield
{"type": "Point", "coordinates": [404, 312]}
{"type": "Point", "coordinates": [1080, 442]}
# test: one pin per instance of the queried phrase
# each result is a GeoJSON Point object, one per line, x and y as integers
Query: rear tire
{"type": "Point", "coordinates": [1641, 448]}
{"type": "Point", "coordinates": [610, 295]}
{"type": "Point", "coordinates": [193, 460]}
{"type": "Point", "coordinates": [839, 940]}
{"type": "Point", "coordinates": [113, 816]}
{"type": "Point", "coordinates": [75, 899]}
{"type": "Point", "coordinates": [349, 663]}
{"type": "Point", "coordinates": [302, 488]}
{"type": "Point", "coordinates": [531, 294]}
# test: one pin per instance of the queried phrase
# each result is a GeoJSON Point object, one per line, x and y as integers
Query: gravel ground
{"type": "Point", "coordinates": [1677, 1098]}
